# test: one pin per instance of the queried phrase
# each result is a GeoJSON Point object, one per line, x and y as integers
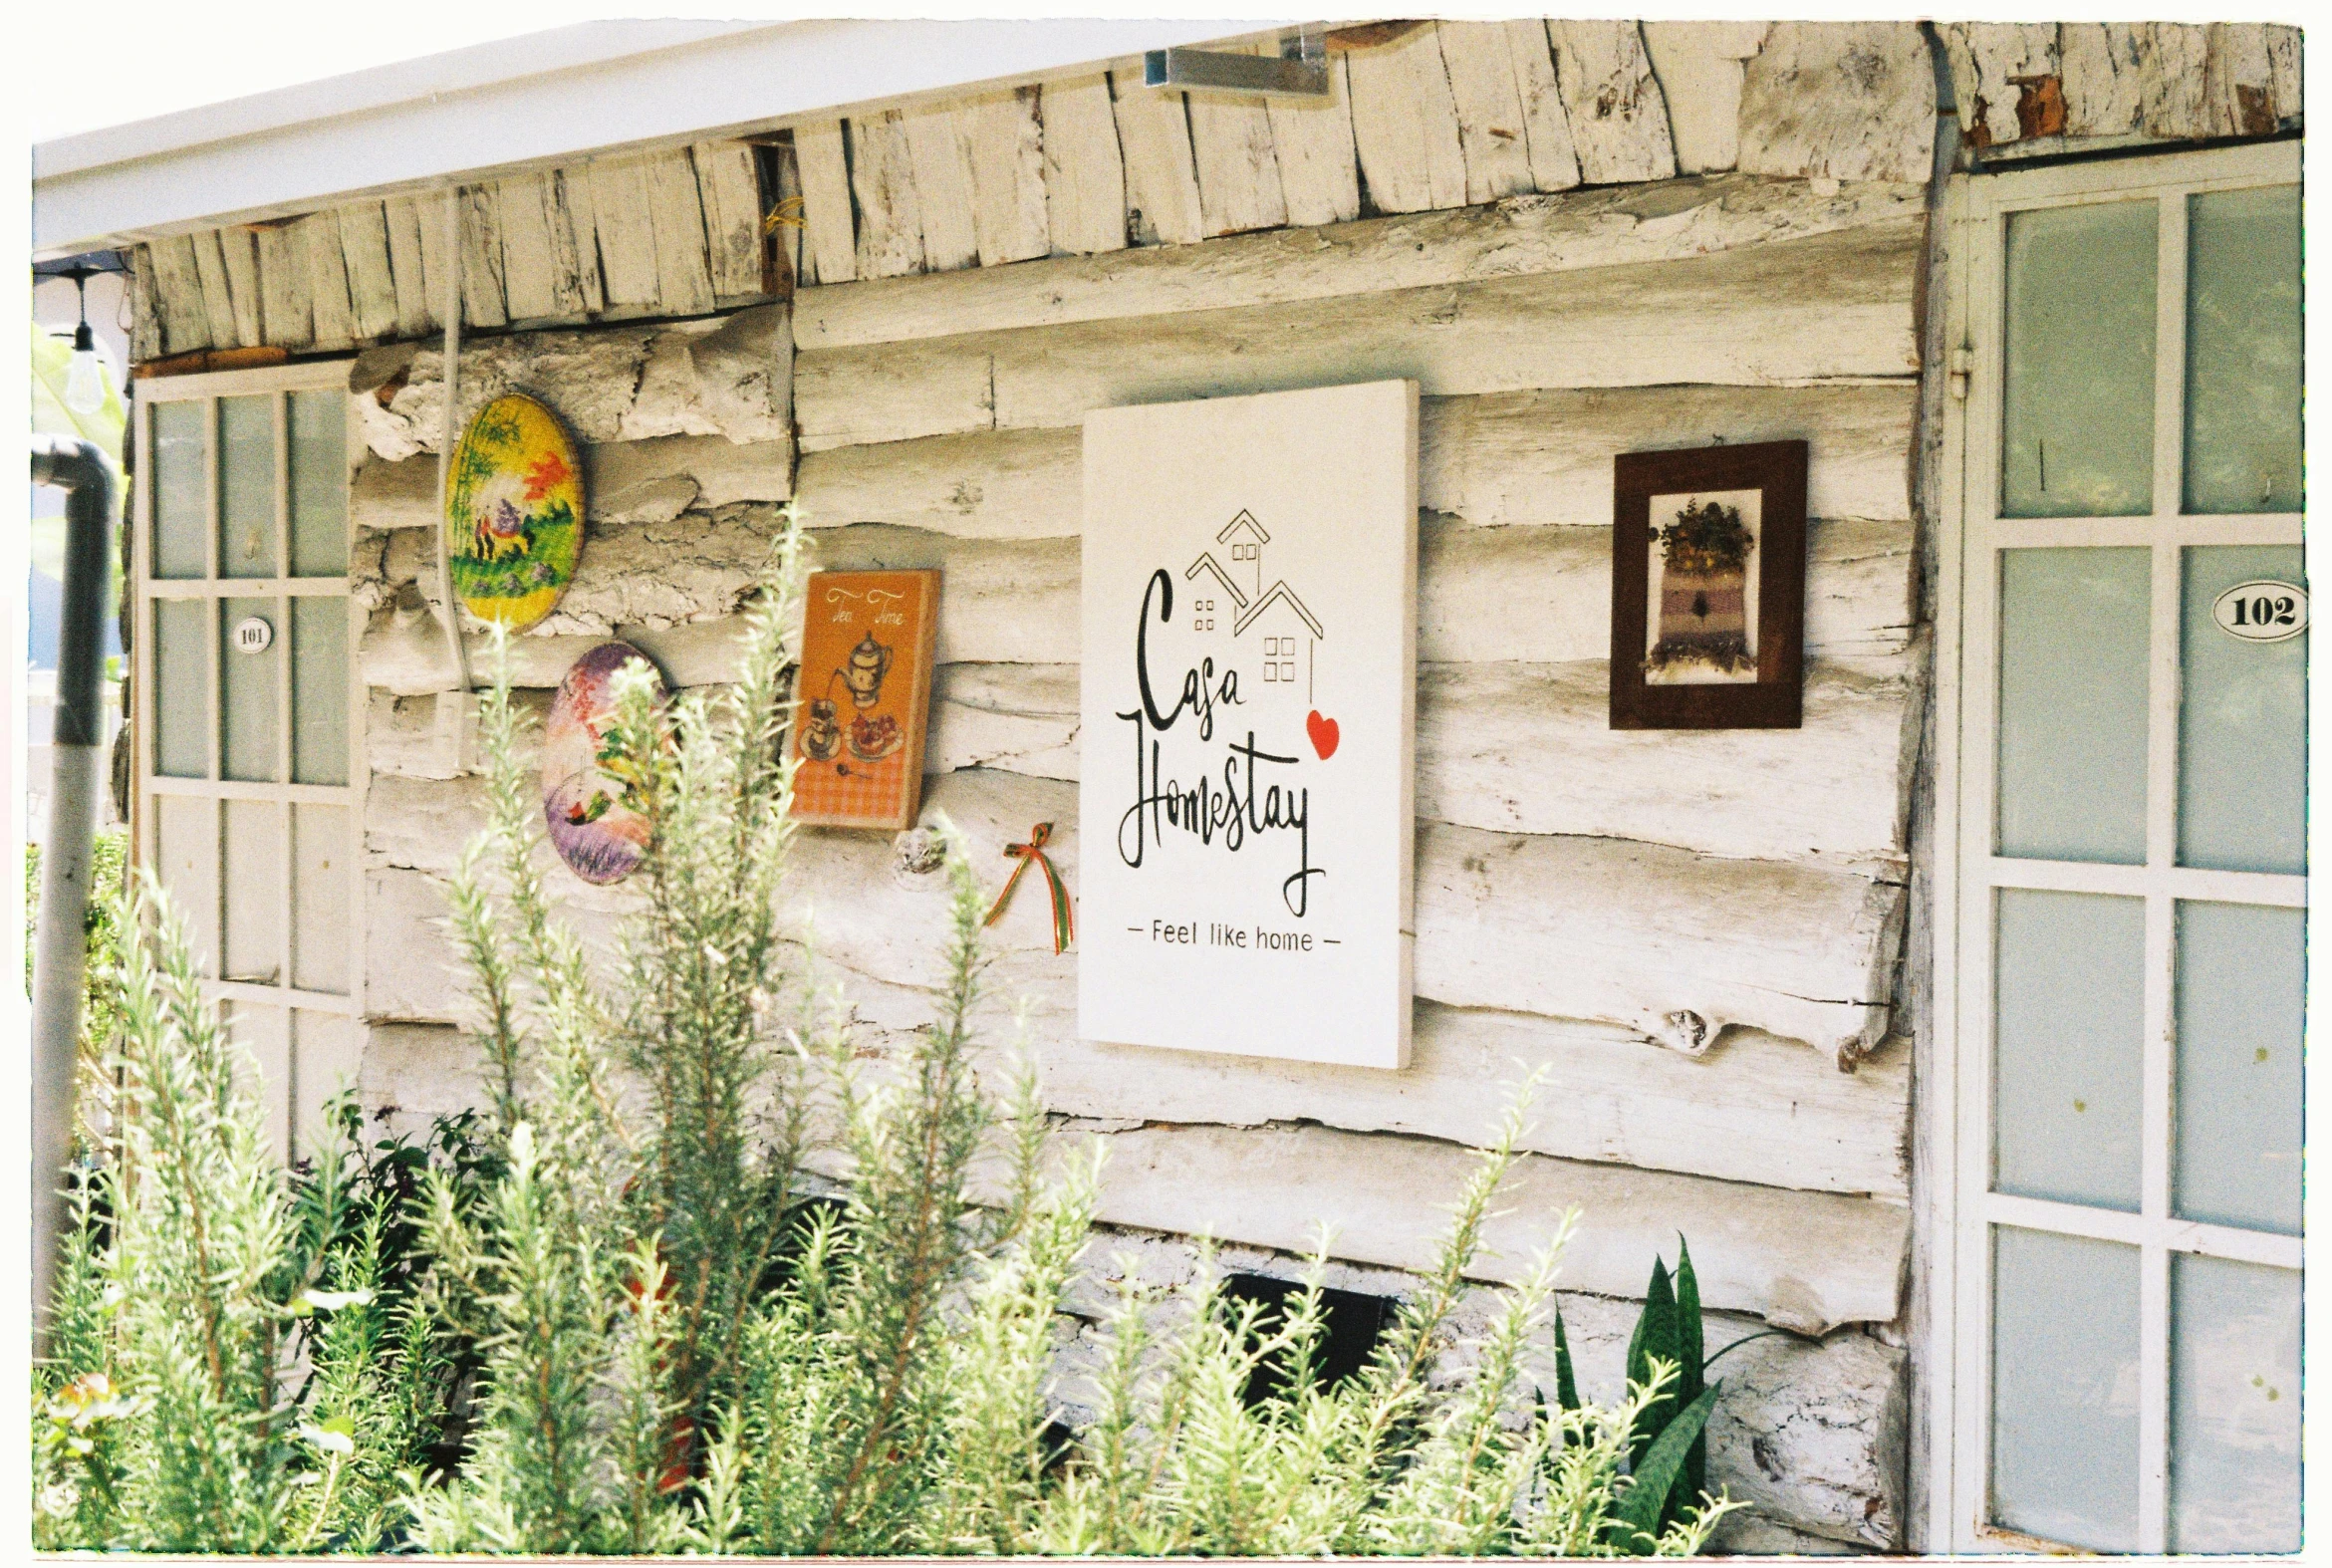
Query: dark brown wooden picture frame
{"type": "Point", "coordinates": [1775, 700]}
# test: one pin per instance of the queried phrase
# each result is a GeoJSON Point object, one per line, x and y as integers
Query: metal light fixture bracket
{"type": "Point", "coordinates": [1299, 71]}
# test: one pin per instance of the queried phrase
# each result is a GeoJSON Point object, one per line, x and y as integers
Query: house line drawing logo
{"type": "Point", "coordinates": [1289, 658]}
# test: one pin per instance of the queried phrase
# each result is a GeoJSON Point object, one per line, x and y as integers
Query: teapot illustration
{"type": "Point", "coordinates": [869, 663]}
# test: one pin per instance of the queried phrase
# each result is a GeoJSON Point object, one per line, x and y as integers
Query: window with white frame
{"type": "Point", "coordinates": [2121, 943]}
{"type": "Point", "coordinates": [248, 789]}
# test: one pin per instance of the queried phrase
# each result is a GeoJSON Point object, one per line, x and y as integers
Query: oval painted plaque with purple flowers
{"type": "Point", "coordinates": [587, 788]}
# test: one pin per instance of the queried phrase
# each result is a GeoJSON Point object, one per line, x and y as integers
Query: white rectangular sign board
{"type": "Point", "coordinates": [1248, 721]}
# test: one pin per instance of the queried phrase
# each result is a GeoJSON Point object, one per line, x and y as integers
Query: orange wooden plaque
{"type": "Point", "coordinates": [865, 697]}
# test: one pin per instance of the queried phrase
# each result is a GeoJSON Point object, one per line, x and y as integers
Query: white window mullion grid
{"type": "Point", "coordinates": [1967, 610]}
{"type": "Point", "coordinates": [281, 591]}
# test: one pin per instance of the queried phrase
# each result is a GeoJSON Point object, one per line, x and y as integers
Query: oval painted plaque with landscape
{"type": "Point", "coordinates": [513, 512]}
{"type": "Point", "coordinates": [587, 793]}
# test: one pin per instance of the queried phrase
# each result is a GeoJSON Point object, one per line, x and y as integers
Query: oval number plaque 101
{"type": "Point", "coordinates": [2262, 612]}
{"type": "Point", "coordinates": [253, 635]}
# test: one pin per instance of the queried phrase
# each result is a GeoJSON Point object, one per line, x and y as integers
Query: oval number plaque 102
{"type": "Point", "coordinates": [2262, 612]}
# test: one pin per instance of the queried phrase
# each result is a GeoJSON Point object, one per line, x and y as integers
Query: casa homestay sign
{"type": "Point", "coordinates": [1248, 704]}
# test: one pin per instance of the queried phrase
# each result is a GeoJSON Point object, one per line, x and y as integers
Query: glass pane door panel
{"type": "Point", "coordinates": [182, 515]}
{"type": "Point", "coordinates": [2065, 1389]}
{"type": "Point", "coordinates": [322, 940]}
{"type": "Point", "coordinates": [246, 489]}
{"type": "Point", "coordinates": [2234, 1418]}
{"type": "Point", "coordinates": [2068, 1047]}
{"type": "Point", "coordinates": [181, 688]}
{"type": "Point", "coordinates": [319, 483]}
{"type": "Point", "coordinates": [328, 1051]}
{"type": "Point", "coordinates": [253, 873]}
{"type": "Point", "coordinates": [320, 690]}
{"type": "Point", "coordinates": [2077, 417]}
{"type": "Point", "coordinates": [187, 860]}
{"type": "Point", "coordinates": [247, 682]}
{"type": "Point", "coordinates": [2243, 351]}
{"type": "Point", "coordinates": [2072, 720]}
{"type": "Point", "coordinates": [266, 1034]}
{"type": "Point", "coordinates": [2242, 722]}
{"type": "Point", "coordinates": [2241, 978]}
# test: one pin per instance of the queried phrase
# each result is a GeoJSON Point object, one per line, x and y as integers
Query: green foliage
{"type": "Point", "coordinates": [657, 1341]}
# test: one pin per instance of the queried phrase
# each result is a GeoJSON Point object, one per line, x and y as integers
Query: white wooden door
{"type": "Point", "coordinates": [247, 710]}
{"type": "Point", "coordinates": [2120, 943]}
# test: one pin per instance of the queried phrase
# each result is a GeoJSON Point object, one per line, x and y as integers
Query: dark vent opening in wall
{"type": "Point", "coordinates": [1352, 1320]}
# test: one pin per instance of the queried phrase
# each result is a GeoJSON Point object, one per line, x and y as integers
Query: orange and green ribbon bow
{"type": "Point", "coordinates": [1064, 923]}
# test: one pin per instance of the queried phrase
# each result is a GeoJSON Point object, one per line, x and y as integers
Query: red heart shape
{"type": "Point", "coordinates": [1324, 734]}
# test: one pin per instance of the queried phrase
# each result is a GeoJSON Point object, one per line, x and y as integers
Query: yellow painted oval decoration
{"type": "Point", "coordinates": [514, 512]}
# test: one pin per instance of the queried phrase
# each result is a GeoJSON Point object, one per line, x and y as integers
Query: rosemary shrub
{"type": "Point", "coordinates": [676, 1349]}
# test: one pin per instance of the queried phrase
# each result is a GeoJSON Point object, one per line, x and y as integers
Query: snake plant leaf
{"type": "Point", "coordinates": [1637, 1518]}
{"type": "Point", "coordinates": [1690, 1367]}
{"type": "Point", "coordinates": [1657, 1336]}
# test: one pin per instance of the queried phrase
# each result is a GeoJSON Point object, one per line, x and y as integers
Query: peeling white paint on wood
{"type": "Point", "coordinates": [482, 299]}
{"type": "Point", "coordinates": [2100, 60]}
{"type": "Point", "coordinates": [179, 284]}
{"type": "Point", "coordinates": [364, 238]}
{"type": "Point", "coordinates": [728, 181]}
{"type": "Point", "coordinates": [328, 281]}
{"type": "Point", "coordinates": [1502, 459]}
{"type": "Point", "coordinates": [1670, 944]}
{"type": "Point", "coordinates": [217, 298]}
{"type": "Point", "coordinates": [1162, 181]}
{"type": "Point", "coordinates": [939, 150]}
{"type": "Point", "coordinates": [1404, 125]}
{"type": "Point", "coordinates": [1700, 67]}
{"type": "Point", "coordinates": [1618, 227]}
{"type": "Point", "coordinates": [2172, 92]}
{"type": "Point", "coordinates": [1006, 135]}
{"type": "Point", "coordinates": [626, 234]}
{"type": "Point", "coordinates": [284, 316]}
{"type": "Point", "coordinates": [1485, 90]}
{"type": "Point", "coordinates": [1554, 158]}
{"type": "Point", "coordinates": [1319, 170]}
{"type": "Point", "coordinates": [529, 269]}
{"type": "Point", "coordinates": [829, 244]}
{"type": "Point", "coordinates": [1840, 100]}
{"type": "Point", "coordinates": [1740, 317]}
{"type": "Point", "coordinates": [239, 253]}
{"type": "Point", "coordinates": [416, 308]}
{"type": "Point", "coordinates": [676, 212]}
{"type": "Point", "coordinates": [1804, 1261]}
{"type": "Point", "coordinates": [1993, 66]}
{"type": "Point", "coordinates": [1084, 170]}
{"type": "Point", "coordinates": [1618, 115]}
{"type": "Point", "coordinates": [1236, 163]}
{"type": "Point", "coordinates": [881, 182]}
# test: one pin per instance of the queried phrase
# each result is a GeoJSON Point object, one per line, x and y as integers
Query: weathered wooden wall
{"type": "Point", "coordinates": [1581, 239]}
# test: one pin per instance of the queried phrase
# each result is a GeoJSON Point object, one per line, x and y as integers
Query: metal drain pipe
{"type": "Point", "coordinates": [60, 953]}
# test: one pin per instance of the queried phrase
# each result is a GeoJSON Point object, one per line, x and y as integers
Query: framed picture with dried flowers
{"type": "Point", "coordinates": [1708, 588]}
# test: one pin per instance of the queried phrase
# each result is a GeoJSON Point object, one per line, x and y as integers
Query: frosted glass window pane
{"type": "Point", "coordinates": [2065, 1389]}
{"type": "Point", "coordinates": [2077, 418]}
{"type": "Point", "coordinates": [247, 684]}
{"type": "Point", "coordinates": [246, 487]}
{"type": "Point", "coordinates": [186, 860]}
{"type": "Point", "coordinates": [253, 877]}
{"type": "Point", "coordinates": [181, 688]}
{"type": "Point", "coordinates": [2241, 975]}
{"type": "Point", "coordinates": [318, 487]}
{"type": "Point", "coordinates": [321, 935]}
{"type": "Point", "coordinates": [181, 520]}
{"type": "Point", "coordinates": [2234, 1472]}
{"type": "Point", "coordinates": [2243, 351]}
{"type": "Point", "coordinates": [265, 1033]}
{"type": "Point", "coordinates": [2072, 724]}
{"type": "Point", "coordinates": [320, 690]}
{"type": "Point", "coordinates": [327, 1056]}
{"type": "Point", "coordinates": [2242, 723]}
{"type": "Point", "coordinates": [2069, 1033]}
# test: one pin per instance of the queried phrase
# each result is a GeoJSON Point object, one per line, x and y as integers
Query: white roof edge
{"type": "Point", "coordinates": [546, 98]}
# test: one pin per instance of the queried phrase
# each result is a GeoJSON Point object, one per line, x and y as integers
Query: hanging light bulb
{"type": "Point", "coordinates": [86, 383]}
